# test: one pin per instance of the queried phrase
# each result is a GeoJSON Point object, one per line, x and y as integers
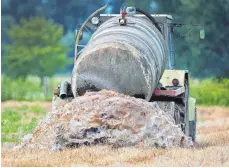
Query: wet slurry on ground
{"type": "Point", "coordinates": [106, 118]}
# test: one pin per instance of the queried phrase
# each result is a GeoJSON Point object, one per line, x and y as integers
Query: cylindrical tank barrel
{"type": "Point", "coordinates": [128, 59]}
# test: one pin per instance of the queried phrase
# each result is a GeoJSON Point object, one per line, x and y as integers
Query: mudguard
{"type": "Point", "coordinates": [192, 108]}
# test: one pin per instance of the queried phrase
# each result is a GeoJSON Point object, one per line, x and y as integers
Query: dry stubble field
{"type": "Point", "coordinates": [211, 148]}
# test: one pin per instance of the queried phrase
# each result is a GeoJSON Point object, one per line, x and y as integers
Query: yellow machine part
{"type": "Point", "coordinates": [169, 75]}
{"type": "Point", "coordinates": [166, 80]}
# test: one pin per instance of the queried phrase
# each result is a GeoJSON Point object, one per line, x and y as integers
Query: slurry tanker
{"type": "Point", "coordinates": [132, 53]}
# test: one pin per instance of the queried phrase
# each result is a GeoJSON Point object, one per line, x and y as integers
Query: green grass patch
{"type": "Point", "coordinates": [38, 109]}
{"type": "Point", "coordinates": [210, 92]}
{"type": "Point", "coordinates": [29, 89]}
{"type": "Point", "coordinates": [19, 121]}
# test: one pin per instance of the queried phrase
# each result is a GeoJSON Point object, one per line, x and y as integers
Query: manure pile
{"type": "Point", "coordinates": [107, 118]}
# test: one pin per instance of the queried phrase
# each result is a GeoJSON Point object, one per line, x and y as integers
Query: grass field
{"type": "Point", "coordinates": [211, 148]}
{"type": "Point", "coordinates": [207, 92]}
{"type": "Point", "coordinates": [19, 120]}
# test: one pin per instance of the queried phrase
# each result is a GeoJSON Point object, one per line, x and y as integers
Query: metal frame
{"type": "Point", "coordinates": [171, 93]}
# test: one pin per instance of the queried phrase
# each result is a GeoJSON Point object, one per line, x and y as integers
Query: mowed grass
{"type": "Point", "coordinates": [128, 156]}
{"type": "Point", "coordinates": [211, 148]}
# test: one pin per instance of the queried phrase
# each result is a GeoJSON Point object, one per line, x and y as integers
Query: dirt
{"type": "Point", "coordinates": [13, 103]}
{"type": "Point", "coordinates": [211, 149]}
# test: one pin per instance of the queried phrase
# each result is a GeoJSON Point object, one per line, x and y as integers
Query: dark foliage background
{"type": "Point", "coordinates": [204, 58]}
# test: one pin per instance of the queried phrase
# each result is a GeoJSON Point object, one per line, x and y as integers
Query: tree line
{"type": "Point", "coordinates": [38, 35]}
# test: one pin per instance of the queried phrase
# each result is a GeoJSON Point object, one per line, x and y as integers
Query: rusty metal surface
{"type": "Point", "coordinates": [173, 93]}
{"type": "Point", "coordinates": [128, 59]}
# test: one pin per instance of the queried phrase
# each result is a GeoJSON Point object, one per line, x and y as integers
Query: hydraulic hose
{"type": "Point", "coordinates": [150, 17]}
{"type": "Point", "coordinates": [82, 27]}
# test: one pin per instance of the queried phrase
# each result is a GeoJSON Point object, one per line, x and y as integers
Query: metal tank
{"type": "Point", "coordinates": [129, 59]}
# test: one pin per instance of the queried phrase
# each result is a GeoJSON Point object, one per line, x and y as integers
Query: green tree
{"type": "Point", "coordinates": [204, 58]}
{"type": "Point", "coordinates": [208, 57]}
{"type": "Point", "coordinates": [35, 49]}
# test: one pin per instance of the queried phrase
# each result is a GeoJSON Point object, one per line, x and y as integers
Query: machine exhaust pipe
{"type": "Point", "coordinates": [63, 90]}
